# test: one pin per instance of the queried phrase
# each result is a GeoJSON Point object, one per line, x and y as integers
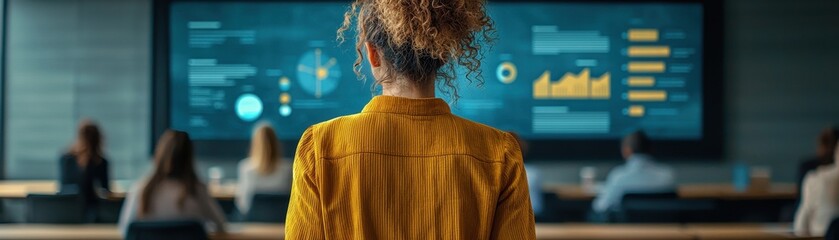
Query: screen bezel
{"type": "Point", "coordinates": [709, 147]}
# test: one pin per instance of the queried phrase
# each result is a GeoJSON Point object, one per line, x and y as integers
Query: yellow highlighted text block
{"type": "Point", "coordinates": [641, 81]}
{"type": "Point", "coordinates": [646, 67]}
{"type": "Point", "coordinates": [648, 51]}
{"type": "Point", "coordinates": [646, 96]}
{"type": "Point", "coordinates": [636, 111]}
{"type": "Point", "coordinates": [642, 35]}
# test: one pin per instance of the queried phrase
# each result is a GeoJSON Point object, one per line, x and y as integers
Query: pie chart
{"type": "Point", "coordinates": [318, 73]}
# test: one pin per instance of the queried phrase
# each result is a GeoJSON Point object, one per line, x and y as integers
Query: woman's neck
{"type": "Point", "coordinates": [408, 89]}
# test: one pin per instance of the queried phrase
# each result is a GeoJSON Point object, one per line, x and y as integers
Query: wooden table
{"type": "Point", "coordinates": [693, 191]}
{"type": "Point", "coordinates": [110, 232]}
{"type": "Point", "coordinates": [543, 231]}
{"type": "Point", "coordinates": [610, 232]}
{"type": "Point", "coordinates": [742, 231]}
{"type": "Point", "coordinates": [19, 189]}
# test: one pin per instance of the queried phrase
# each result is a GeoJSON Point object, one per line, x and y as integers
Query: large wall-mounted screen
{"type": "Point", "coordinates": [557, 71]}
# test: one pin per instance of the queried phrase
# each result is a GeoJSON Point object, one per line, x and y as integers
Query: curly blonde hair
{"type": "Point", "coordinates": [422, 40]}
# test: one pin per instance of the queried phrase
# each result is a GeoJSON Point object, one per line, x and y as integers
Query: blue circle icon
{"type": "Point", "coordinates": [248, 107]}
{"type": "Point", "coordinates": [285, 110]}
{"type": "Point", "coordinates": [285, 84]}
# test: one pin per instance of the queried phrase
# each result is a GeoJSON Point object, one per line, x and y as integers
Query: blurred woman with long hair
{"type": "Point", "coordinates": [173, 190]}
{"type": "Point", "coordinates": [264, 171]}
{"type": "Point", "coordinates": [84, 166]}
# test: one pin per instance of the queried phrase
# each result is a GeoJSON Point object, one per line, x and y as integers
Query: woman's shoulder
{"type": "Point", "coordinates": [483, 140]}
{"type": "Point", "coordinates": [247, 169]}
{"type": "Point", "coordinates": [245, 164]}
{"type": "Point", "coordinates": [822, 175]}
{"type": "Point", "coordinates": [483, 132]}
{"type": "Point", "coordinates": [138, 185]}
{"type": "Point", "coordinates": [479, 128]}
{"type": "Point", "coordinates": [333, 128]}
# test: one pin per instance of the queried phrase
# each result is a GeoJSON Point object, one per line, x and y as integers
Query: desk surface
{"type": "Point", "coordinates": [610, 232]}
{"type": "Point", "coordinates": [692, 191]}
{"type": "Point", "coordinates": [742, 231]}
{"type": "Point", "coordinates": [543, 231]}
{"type": "Point", "coordinates": [110, 232]}
{"type": "Point", "coordinates": [19, 189]}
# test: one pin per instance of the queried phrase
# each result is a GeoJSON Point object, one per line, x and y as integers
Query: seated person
{"type": "Point", "coordinates": [824, 154]}
{"type": "Point", "coordinates": [172, 191]}
{"type": "Point", "coordinates": [640, 174]}
{"type": "Point", "coordinates": [83, 168]}
{"type": "Point", "coordinates": [820, 200]}
{"type": "Point", "coordinates": [263, 171]}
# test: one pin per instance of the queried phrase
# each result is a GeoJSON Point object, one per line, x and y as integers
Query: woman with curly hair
{"type": "Point", "coordinates": [405, 167]}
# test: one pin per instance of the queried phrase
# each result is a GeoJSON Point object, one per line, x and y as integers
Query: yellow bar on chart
{"type": "Point", "coordinates": [642, 35]}
{"type": "Point", "coordinates": [636, 111]}
{"type": "Point", "coordinates": [646, 67]}
{"type": "Point", "coordinates": [647, 96]}
{"type": "Point", "coordinates": [541, 87]}
{"type": "Point", "coordinates": [640, 81]}
{"type": "Point", "coordinates": [648, 51]}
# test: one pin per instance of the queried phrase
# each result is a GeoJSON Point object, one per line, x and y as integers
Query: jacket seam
{"type": "Point", "coordinates": [410, 156]}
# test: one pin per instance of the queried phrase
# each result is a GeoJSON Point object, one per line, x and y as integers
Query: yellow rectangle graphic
{"type": "Point", "coordinates": [641, 81]}
{"type": "Point", "coordinates": [647, 96]}
{"type": "Point", "coordinates": [648, 51]}
{"type": "Point", "coordinates": [647, 67]}
{"type": "Point", "coordinates": [642, 35]}
{"type": "Point", "coordinates": [636, 111]}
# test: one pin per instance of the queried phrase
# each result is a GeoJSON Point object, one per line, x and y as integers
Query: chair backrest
{"type": "Point", "coordinates": [52, 208]}
{"type": "Point", "coordinates": [663, 207]}
{"type": "Point", "coordinates": [270, 208]}
{"type": "Point", "coordinates": [109, 210]}
{"type": "Point", "coordinates": [832, 230]}
{"type": "Point", "coordinates": [166, 230]}
{"type": "Point", "coordinates": [651, 195]}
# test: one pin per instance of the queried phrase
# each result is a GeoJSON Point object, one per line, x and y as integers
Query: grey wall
{"type": "Point", "coordinates": [2, 40]}
{"type": "Point", "coordinates": [72, 58]}
{"type": "Point", "coordinates": [69, 59]}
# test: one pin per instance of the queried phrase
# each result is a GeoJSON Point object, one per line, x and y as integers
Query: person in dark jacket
{"type": "Point", "coordinates": [84, 168]}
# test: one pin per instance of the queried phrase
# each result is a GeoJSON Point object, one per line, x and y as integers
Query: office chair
{"type": "Point", "coordinates": [270, 208]}
{"type": "Point", "coordinates": [663, 207]}
{"type": "Point", "coordinates": [166, 230]}
{"type": "Point", "coordinates": [60, 208]}
{"type": "Point", "coordinates": [832, 230]}
{"type": "Point", "coordinates": [109, 210]}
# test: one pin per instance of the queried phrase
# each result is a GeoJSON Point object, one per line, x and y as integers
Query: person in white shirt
{"type": "Point", "coordinates": [820, 200]}
{"type": "Point", "coordinates": [263, 171]}
{"type": "Point", "coordinates": [640, 174]}
{"type": "Point", "coordinates": [172, 191]}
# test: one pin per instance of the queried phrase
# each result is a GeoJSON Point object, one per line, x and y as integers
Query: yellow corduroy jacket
{"type": "Point", "coordinates": [408, 169]}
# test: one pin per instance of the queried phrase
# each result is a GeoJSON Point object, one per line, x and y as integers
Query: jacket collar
{"type": "Point", "coordinates": [407, 106]}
